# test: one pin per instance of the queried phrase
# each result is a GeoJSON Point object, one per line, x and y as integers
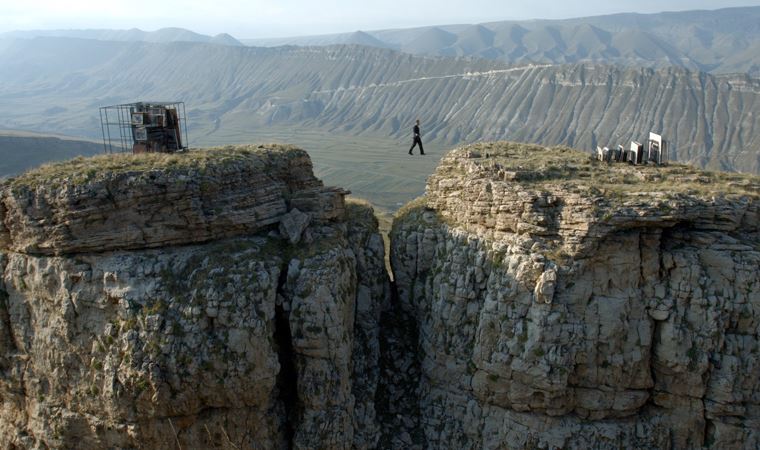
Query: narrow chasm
{"type": "Point", "coordinates": [7, 344]}
{"type": "Point", "coordinates": [287, 378]}
{"type": "Point", "coordinates": [397, 397]}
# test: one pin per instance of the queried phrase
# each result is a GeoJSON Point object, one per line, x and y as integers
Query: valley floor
{"type": "Point", "coordinates": [376, 168]}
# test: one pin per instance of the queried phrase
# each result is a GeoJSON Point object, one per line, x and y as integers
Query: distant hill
{"type": "Point", "coordinates": [359, 90]}
{"type": "Point", "coordinates": [20, 151]}
{"type": "Point", "coordinates": [357, 103]}
{"type": "Point", "coordinates": [721, 41]}
{"type": "Point", "coordinates": [163, 35]}
{"type": "Point", "coordinates": [360, 38]}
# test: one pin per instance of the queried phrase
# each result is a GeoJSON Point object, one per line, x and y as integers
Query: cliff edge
{"type": "Point", "coordinates": [226, 298]}
{"type": "Point", "coordinates": [559, 302]}
{"type": "Point", "coordinates": [215, 299]}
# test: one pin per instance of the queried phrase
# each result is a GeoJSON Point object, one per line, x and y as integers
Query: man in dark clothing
{"type": "Point", "coordinates": [417, 140]}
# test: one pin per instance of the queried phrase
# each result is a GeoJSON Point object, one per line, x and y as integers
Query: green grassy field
{"type": "Point", "coordinates": [20, 151]}
{"type": "Point", "coordinates": [375, 168]}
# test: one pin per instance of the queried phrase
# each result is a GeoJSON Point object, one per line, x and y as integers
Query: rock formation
{"type": "Point", "coordinates": [150, 302]}
{"type": "Point", "coordinates": [565, 303]}
{"type": "Point", "coordinates": [226, 299]}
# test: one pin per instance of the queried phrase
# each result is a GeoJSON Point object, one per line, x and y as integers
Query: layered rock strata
{"type": "Point", "coordinates": [116, 203]}
{"type": "Point", "coordinates": [227, 299]}
{"type": "Point", "coordinates": [559, 302]}
{"type": "Point", "coordinates": [153, 301]}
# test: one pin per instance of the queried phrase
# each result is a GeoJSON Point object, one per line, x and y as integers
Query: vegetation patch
{"type": "Point", "coordinates": [83, 170]}
{"type": "Point", "coordinates": [359, 210]}
{"type": "Point", "coordinates": [413, 207]}
{"type": "Point", "coordinates": [575, 170]}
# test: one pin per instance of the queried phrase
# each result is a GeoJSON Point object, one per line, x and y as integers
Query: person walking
{"type": "Point", "coordinates": [417, 139]}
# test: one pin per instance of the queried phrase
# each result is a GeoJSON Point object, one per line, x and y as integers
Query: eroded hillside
{"type": "Point", "coordinates": [234, 94]}
{"type": "Point", "coordinates": [716, 41]}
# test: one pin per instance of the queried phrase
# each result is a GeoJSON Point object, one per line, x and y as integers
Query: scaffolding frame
{"type": "Point", "coordinates": [118, 127]}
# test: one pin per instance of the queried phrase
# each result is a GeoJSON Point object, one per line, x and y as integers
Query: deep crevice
{"type": "Point", "coordinates": [8, 342]}
{"type": "Point", "coordinates": [397, 394]}
{"type": "Point", "coordinates": [287, 378]}
{"type": "Point", "coordinates": [708, 439]}
{"type": "Point", "coordinates": [656, 324]}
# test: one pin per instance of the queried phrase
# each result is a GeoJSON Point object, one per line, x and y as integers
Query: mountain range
{"type": "Point", "coordinates": [171, 34]}
{"type": "Point", "coordinates": [352, 105]}
{"type": "Point", "coordinates": [720, 41]}
{"type": "Point", "coordinates": [354, 90]}
{"type": "Point", "coordinates": [23, 151]}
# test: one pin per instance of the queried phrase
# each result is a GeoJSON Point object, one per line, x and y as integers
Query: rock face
{"type": "Point", "coordinates": [227, 299]}
{"type": "Point", "coordinates": [562, 303]}
{"type": "Point", "coordinates": [133, 204]}
{"type": "Point", "coordinates": [153, 304]}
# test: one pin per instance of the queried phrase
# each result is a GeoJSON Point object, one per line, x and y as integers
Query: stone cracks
{"type": "Point", "coordinates": [398, 396]}
{"type": "Point", "coordinates": [164, 206]}
{"type": "Point", "coordinates": [159, 345]}
{"type": "Point", "coordinates": [613, 347]}
{"type": "Point", "coordinates": [287, 378]}
{"type": "Point", "coordinates": [247, 341]}
{"type": "Point", "coordinates": [551, 316]}
{"type": "Point", "coordinates": [536, 304]}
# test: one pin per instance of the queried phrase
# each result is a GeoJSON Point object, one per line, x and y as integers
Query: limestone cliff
{"type": "Point", "coordinates": [557, 302]}
{"type": "Point", "coordinates": [214, 299]}
{"type": "Point", "coordinates": [227, 299]}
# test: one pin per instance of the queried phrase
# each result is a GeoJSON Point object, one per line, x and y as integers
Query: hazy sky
{"type": "Point", "coordinates": [254, 18]}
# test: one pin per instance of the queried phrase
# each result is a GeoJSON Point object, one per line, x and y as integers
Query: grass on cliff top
{"type": "Point", "coordinates": [534, 164]}
{"type": "Point", "coordinates": [412, 212]}
{"type": "Point", "coordinates": [361, 212]}
{"type": "Point", "coordinates": [81, 170]}
{"type": "Point", "coordinates": [361, 207]}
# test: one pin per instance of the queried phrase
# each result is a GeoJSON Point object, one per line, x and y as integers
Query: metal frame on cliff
{"type": "Point", "coordinates": [144, 127]}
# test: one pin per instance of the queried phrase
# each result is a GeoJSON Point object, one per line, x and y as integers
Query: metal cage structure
{"type": "Point", "coordinates": [144, 127]}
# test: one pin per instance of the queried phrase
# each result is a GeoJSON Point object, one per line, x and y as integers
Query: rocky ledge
{"type": "Point", "coordinates": [552, 301]}
{"type": "Point", "coordinates": [215, 299]}
{"type": "Point", "coordinates": [126, 201]}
